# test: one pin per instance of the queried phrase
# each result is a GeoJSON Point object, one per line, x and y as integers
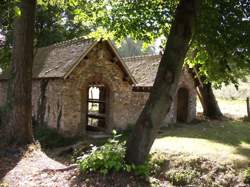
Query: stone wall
{"type": "Point", "coordinates": [96, 67]}
{"type": "Point", "coordinates": [138, 100]}
{"type": "Point", "coordinates": [185, 82]}
{"type": "Point", "coordinates": [47, 104]}
{"type": "Point", "coordinates": [124, 105]}
{"type": "Point", "coordinates": [62, 103]}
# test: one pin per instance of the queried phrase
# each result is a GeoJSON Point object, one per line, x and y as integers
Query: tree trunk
{"type": "Point", "coordinates": [19, 127]}
{"type": "Point", "coordinates": [206, 95]}
{"type": "Point", "coordinates": [165, 85]}
{"type": "Point", "coordinates": [209, 103]}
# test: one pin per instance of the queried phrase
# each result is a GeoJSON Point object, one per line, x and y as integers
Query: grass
{"type": "Point", "coordinates": [227, 141]}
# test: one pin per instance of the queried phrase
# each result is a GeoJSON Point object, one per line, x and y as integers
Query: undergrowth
{"type": "Point", "coordinates": [110, 157]}
{"type": "Point", "coordinates": [246, 174]}
{"type": "Point", "coordinates": [178, 169]}
{"type": "Point", "coordinates": [50, 138]}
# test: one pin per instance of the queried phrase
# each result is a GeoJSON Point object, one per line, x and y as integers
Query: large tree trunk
{"type": "Point", "coordinates": [164, 88]}
{"type": "Point", "coordinates": [19, 127]}
{"type": "Point", "coordinates": [206, 95]}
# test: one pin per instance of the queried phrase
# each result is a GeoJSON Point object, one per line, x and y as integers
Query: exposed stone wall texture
{"type": "Point", "coordinates": [138, 100]}
{"type": "Point", "coordinates": [62, 103]}
{"type": "Point", "coordinates": [47, 102]}
{"type": "Point", "coordinates": [97, 67]}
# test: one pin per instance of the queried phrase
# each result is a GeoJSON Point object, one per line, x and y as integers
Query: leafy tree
{"type": "Point", "coordinates": [55, 22]}
{"type": "Point", "coordinates": [220, 47]}
{"type": "Point", "coordinates": [220, 50]}
{"type": "Point", "coordinates": [164, 88]}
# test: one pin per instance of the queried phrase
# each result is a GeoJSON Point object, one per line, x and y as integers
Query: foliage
{"type": "Point", "coordinates": [110, 157]}
{"type": "Point", "coordinates": [247, 176]}
{"type": "Point", "coordinates": [159, 163]}
{"type": "Point", "coordinates": [55, 22]}
{"type": "Point", "coordinates": [49, 138]}
{"type": "Point", "coordinates": [181, 177]}
{"type": "Point", "coordinates": [220, 45]}
{"type": "Point", "coordinates": [129, 48]}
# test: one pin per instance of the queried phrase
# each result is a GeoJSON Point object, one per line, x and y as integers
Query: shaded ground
{"type": "Point", "coordinates": [209, 153]}
{"type": "Point", "coordinates": [35, 169]}
{"type": "Point", "coordinates": [30, 170]}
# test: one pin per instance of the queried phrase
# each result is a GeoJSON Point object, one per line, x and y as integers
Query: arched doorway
{"type": "Point", "coordinates": [182, 105]}
{"type": "Point", "coordinates": [97, 107]}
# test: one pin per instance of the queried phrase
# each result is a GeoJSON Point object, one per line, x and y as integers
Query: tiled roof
{"type": "Point", "coordinates": [56, 60]}
{"type": "Point", "coordinates": [143, 68]}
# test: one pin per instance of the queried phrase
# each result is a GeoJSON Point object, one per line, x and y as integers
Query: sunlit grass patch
{"type": "Point", "coordinates": [224, 141]}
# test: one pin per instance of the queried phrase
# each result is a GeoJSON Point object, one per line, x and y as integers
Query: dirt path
{"type": "Point", "coordinates": [32, 171]}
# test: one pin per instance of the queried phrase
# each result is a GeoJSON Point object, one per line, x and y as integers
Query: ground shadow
{"type": "Point", "coordinates": [10, 155]}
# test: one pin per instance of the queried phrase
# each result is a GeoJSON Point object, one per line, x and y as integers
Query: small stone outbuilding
{"type": "Point", "coordinates": [83, 84]}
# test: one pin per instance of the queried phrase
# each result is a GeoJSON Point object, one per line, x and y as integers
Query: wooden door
{"type": "Point", "coordinates": [182, 105]}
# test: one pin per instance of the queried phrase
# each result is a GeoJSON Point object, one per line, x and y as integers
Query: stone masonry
{"type": "Point", "coordinates": [63, 72]}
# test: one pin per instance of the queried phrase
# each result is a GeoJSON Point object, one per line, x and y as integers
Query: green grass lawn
{"type": "Point", "coordinates": [227, 141]}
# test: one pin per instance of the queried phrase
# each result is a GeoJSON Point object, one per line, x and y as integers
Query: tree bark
{"type": "Point", "coordinates": [165, 85]}
{"type": "Point", "coordinates": [19, 127]}
{"type": "Point", "coordinates": [209, 103]}
{"type": "Point", "coordinates": [206, 95]}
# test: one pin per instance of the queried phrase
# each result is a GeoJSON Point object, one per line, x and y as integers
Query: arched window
{"type": "Point", "coordinates": [97, 107]}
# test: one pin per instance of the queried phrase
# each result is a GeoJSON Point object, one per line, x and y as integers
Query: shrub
{"type": "Point", "coordinates": [159, 163]}
{"type": "Point", "coordinates": [247, 176]}
{"type": "Point", "coordinates": [181, 177]}
{"type": "Point", "coordinates": [110, 157]}
{"type": "Point", "coordinates": [106, 158]}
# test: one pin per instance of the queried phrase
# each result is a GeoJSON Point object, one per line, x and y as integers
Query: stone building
{"type": "Point", "coordinates": [82, 84]}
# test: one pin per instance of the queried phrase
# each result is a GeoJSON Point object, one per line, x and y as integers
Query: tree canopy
{"type": "Point", "coordinates": [220, 45]}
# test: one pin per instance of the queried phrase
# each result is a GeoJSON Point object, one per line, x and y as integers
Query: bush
{"type": "Point", "coordinates": [106, 158]}
{"type": "Point", "coordinates": [181, 177]}
{"type": "Point", "coordinates": [110, 157]}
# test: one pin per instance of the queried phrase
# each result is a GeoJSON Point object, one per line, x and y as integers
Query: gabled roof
{"type": "Point", "coordinates": [56, 60]}
{"type": "Point", "coordinates": [143, 68]}
{"type": "Point", "coordinates": [60, 59]}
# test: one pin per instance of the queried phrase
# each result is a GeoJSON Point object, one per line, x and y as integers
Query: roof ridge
{"type": "Point", "coordinates": [67, 42]}
{"type": "Point", "coordinates": [70, 42]}
{"type": "Point", "coordinates": [140, 56]}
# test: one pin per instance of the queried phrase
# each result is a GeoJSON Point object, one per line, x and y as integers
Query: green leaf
{"type": "Point", "coordinates": [17, 11]}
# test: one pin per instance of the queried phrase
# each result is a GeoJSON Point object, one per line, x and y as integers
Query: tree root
{"type": "Point", "coordinates": [70, 167]}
